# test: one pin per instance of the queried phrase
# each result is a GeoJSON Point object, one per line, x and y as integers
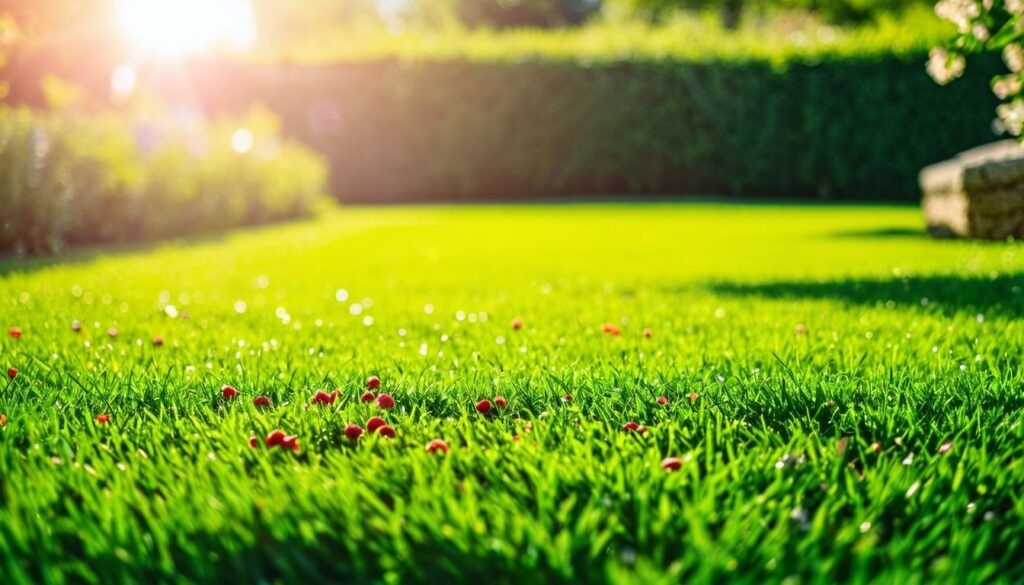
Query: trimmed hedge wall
{"type": "Point", "coordinates": [420, 131]}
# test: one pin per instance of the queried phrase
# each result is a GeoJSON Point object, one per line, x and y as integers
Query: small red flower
{"type": "Point", "coordinates": [500, 401]}
{"type": "Point", "coordinates": [375, 423]}
{"type": "Point", "coordinates": [12, 373]}
{"type": "Point", "coordinates": [103, 419]}
{"type": "Point", "coordinates": [15, 332]}
{"type": "Point", "coordinates": [517, 323]}
{"type": "Point", "coordinates": [290, 442]}
{"type": "Point", "coordinates": [611, 329]}
{"type": "Point", "coordinates": [437, 445]}
{"type": "Point", "coordinates": [353, 432]}
{"type": "Point", "coordinates": [662, 400]}
{"type": "Point", "coordinates": [261, 401]}
{"type": "Point", "coordinates": [228, 392]}
{"type": "Point", "coordinates": [254, 441]}
{"type": "Point", "coordinates": [112, 332]}
{"type": "Point", "coordinates": [671, 463]}
{"type": "Point", "coordinates": [275, 438]}
{"type": "Point", "coordinates": [945, 447]}
{"type": "Point", "coordinates": [373, 382]}
{"type": "Point", "coordinates": [800, 329]}
{"type": "Point", "coordinates": [484, 406]}
{"type": "Point", "coordinates": [3, 421]}
{"type": "Point", "coordinates": [367, 396]}
{"type": "Point", "coordinates": [694, 396]}
{"type": "Point", "coordinates": [567, 398]}
{"type": "Point", "coordinates": [325, 398]}
{"type": "Point", "coordinates": [158, 341]}
{"type": "Point", "coordinates": [76, 326]}
{"type": "Point", "coordinates": [386, 431]}
{"type": "Point", "coordinates": [631, 426]}
{"type": "Point", "coordinates": [385, 401]}
{"type": "Point", "coordinates": [648, 333]}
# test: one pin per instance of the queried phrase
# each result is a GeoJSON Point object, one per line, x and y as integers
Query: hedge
{"type": "Point", "coordinates": [71, 180]}
{"type": "Point", "coordinates": [851, 128]}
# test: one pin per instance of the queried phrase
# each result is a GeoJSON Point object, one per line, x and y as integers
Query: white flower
{"type": "Point", "coordinates": [1012, 116]}
{"type": "Point", "coordinates": [943, 67]}
{"type": "Point", "coordinates": [1013, 56]}
{"type": "Point", "coordinates": [959, 12]}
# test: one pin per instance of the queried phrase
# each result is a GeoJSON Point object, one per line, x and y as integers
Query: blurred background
{"type": "Point", "coordinates": [126, 120]}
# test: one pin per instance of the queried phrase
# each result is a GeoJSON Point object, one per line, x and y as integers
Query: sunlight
{"type": "Point", "coordinates": [172, 28]}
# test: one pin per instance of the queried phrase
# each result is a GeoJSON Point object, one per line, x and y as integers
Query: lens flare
{"type": "Point", "coordinates": [172, 28]}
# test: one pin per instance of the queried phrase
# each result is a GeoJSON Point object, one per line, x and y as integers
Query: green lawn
{"type": "Point", "coordinates": [909, 343]}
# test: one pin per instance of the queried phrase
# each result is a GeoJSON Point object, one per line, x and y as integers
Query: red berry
{"type": "Point", "coordinates": [261, 401]}
{"type": "Point", "coordinates": [254, 441]}
{"type": "Point", "coordinates": [325, 398]}
{"type": "Point", "coordinates": [375, 423]}
{"type": "Point", "coordinates": [290, 442]}
{"type": "Point", "coordinates": [386, 431]}
{"type": "Point", "coordinates": [373, 382]}
{"type": "Point", "coordinates": [103, 419]}
{"type": "Point", "coordinates": [517, 323]}
{"type": "Point", "coordinates": [12, 373]}
{"type": "Point", "coordinates": [228, 392]}
{"type": "Point", "coordinates": [275, 438]}
{"type": "Point", "coordinates": [484, 406]}
{"type": "Point", "coordinates": [367, 396]}
{"type": "Point", "coordinates": [76, 326]}
{"type": "Point", "coordinates": [158, 341]}
{"type": "Point", "coordinates": [500, 401]}
{"type": "Point", "coordinates": [353, 431]}
{"type": "Point", "coordinates": [112, 332]}
{"type": "Point", "coordinates": [671, 463]}
{"type": "Point", "coordinates": [437, 445]}
{"type": "Point", "coordinates": [630, 426]}
{"type": "Point", "coordinates": [567, 398]}
{"type": "Point", "coordinates": [662, 400]}
{"type": "Point", "coordinates": [15, 332]}
{"type": "Point", "coordinates": [385, 401]}
{"type": "Point", "coordinates": [648, 333]}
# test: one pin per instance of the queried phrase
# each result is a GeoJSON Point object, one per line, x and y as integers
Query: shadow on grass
{"type": "Point", "coordinates": [949, 295]}
{"type": "Point", "coordinates": [882, 233]}
{"type": "Point", "coordinates": [86, 254]}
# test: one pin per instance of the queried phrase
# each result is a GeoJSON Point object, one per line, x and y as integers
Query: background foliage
{"type": "Point", "coordinates": [67, 179]}
{"type": "Point", "coordinates": [844, 127]}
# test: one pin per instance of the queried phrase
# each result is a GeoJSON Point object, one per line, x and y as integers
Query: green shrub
{"type": "Point", "coordinates": [71, 180]}
{"type": "Point", "coordinates": [843, 127]}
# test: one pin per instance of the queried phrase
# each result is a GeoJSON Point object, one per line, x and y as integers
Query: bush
{"type": "Point", "coordinates": [70, 180]}
{"type": "Point", "coordinates": [842, 127]}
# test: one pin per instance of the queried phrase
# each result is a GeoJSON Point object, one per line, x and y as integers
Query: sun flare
{"type": "Point", "coordinates": [172, 28]}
